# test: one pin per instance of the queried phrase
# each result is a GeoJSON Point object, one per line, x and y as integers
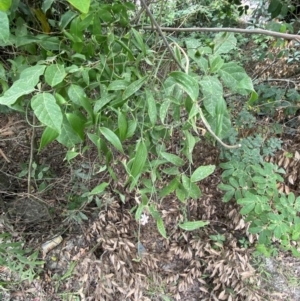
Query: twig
{"type": "Point", "coordinates": [162, 35]}
{"type": "Point", "coordinates": [285, 36]}
{"type": "Point", "coordinates": [32, 146]}
{"type": "Point", "coordinates": [213, 134]}
{"type": "Point", "coordinates": [3, 155]}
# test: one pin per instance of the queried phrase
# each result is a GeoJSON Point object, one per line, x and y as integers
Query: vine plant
{"type": "Point", "coordinates": [86, 83]}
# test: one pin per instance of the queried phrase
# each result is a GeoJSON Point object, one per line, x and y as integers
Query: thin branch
{"type": "Point", "coordinates": [32, 147]}
{"type": "Point", "coordinates": [285, 36]}
{"type": "Point", "coordinates": [213, 134]}
{"type": "Point", "coordinates": [157, 27]}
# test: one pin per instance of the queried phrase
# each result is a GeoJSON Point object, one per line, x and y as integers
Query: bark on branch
{"type": "Point", "coordinates": [285, 36]}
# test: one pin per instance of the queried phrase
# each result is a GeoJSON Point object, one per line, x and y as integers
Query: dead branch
{"type": "Point", "coordinates": [285, 36]}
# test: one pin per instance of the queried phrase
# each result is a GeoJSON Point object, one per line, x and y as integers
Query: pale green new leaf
{"type": "Point", "coordinates": [55, 74]}
{"type": "Point", "coordinates": [47, 111]}
{"type": "Point", "coordinates": [4, 28]}
{"type": "Point", "coordinates": [173, 159]}
{"type": "Point", "coordinates": [224, 42]}
{"type": "Point", "coordinates": [112, 138]}
{"type": "Point", "coordinates": [5, 5]}
{"type": "Point", "coordinates": [82, 5]}
{"type": "Point", "coordinates": [24, 85]}
{"type": "Point", "coordinates": [133, 87]}
{"type": "Point", "coordinates": [187, 83]}
{"type": "Point", "coordinates": [190, 226]}
{"type": "Point", "coordinates": [212, 91]}
{"type": "Point", "coordinates": [202, 172]}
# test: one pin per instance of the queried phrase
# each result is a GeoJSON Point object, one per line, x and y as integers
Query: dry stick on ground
{"type": "Point", "coordinates": [285, 36]}
{"type": "Point", "coordinates": [158, 28]}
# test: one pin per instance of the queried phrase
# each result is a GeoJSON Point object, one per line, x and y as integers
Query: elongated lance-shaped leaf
{"type": "Point", "coordinates": [112, 138]}
{"type": "Point", "coordinates": [202, 172]}
{"type": "Point", "coordinates": [133, 87]}
{"type": "Point", "coordinates": [190, 226]}
{"type": "Point", "coordinates": [48, 136]}
{"type": "Point", "coordinates": [187, 83]}
{"type": "Point", "coordinates": [161, 227]}
{"type": "Point", "coordinates": [139, 160]}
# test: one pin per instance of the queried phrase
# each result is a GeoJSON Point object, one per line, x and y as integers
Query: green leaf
{"type": "Point", "coordinates": [67, 136]}
{"type": "Point", "coordinates": [139, 41]}
{"type": "Point", "coordinates": [4, 27]}
{"type": "Point", "coordinates": [190, 226]}
{"type": "Point", "coordinates": [152, 111]}
{"type": "Point", "coordinates": [187, 83]}
{"type": "Point", "coordinates": [122, 125]}
{"type": "Point", "coordinates": [82, 5]}
{"type": "Point", "coordinates": [48, 136]}
{"type": "Point", "coordinates": [46, 5]}
{"type": "Point", "coordinates": [173, 159]}
{"type": "Point", "coordinates": [224, 42]}
{"type": "Point", "coordinates": [236, 79]}
{"type": "Point", "coordinates": [194, 192]}
{"type": "Point", "coordinates": [24, 85]}
{"type": "Point", "coordinates": [117, 85]}
{"type": "Point", "coordinates": [47, 110]}
{"type": "Point", "coordinates": [4, 6]}
{"type": "Point", "coordinates": [216, 63]}
{"type": "Point", "coordinates": [169, 188]}
{"type": "Point", "coordinates": [228, 196]}
{"type": "Point", "coordinates": [77, 124]}
{"type": "Point", "coordinates": [112, 138]}
{"type": "Point", "coordinates": [133, 87]}
{"type": "Point", "coordinates": [76, 93]}
{"type": "Point", "coordinates": [164, 110]}
{"type": "Point", "coordinates": [186, 182]}
{"type": "Point", "coordinates": [102, 102]}
{"type": "Point", "coordinates": [139, 159]}
{"type": "Point", "coordinates": [161, 227]}
{"type": "Point", "coordinates": [139, 212]}
{"type": "Point", "coordinates": [55, 74]}
{"type": "Point", "coordinates": [212, 90]}
{"type": "Point", "coordinates": [99, 189]}
{"type": "Point", "coordinates": [202, 172]}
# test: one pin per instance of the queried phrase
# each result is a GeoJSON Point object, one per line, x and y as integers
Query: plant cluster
{"type": "Point", "coordinates": [95, 81]}
{"type": "Point", "coordinates": [253, 183]}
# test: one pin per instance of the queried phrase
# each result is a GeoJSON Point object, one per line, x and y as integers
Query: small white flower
{"type": "Point", "coordinates": [144, 219]}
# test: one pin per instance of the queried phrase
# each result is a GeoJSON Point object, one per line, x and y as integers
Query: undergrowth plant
{"type": "Point", "coordinates": [87, 84]}
{"type": "Point", "coordinates": [95, 80]}
{"type": "Point", "coordinates": [23, 263]}
{"type": "Point", "coordinates": [253, 183]}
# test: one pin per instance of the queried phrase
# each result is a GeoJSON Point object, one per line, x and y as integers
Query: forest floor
{"type": "Point", "coordinates": [100, 252]}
